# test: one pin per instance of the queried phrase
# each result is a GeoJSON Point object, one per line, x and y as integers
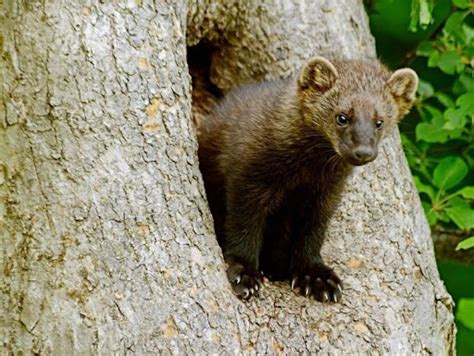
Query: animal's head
{"type": "Point", "coordinates": [354, 103]}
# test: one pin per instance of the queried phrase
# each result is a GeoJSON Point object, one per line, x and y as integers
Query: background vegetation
{"type": "Point", "coordinates": [436, 38]}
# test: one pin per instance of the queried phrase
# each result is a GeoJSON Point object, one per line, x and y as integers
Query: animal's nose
{"type": "Point", "coordinates": [364, 153]}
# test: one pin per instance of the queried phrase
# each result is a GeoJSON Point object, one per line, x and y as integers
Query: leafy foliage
{"type": "Point", "coordinates": [421, 14]}
{"type": "Point", "coordinates": [465, 312]}
{"type": "Point", "coordinates": [465, 244]}
{"type": "Point", "coordinates": [440, 153]}
{"type": "Point", "coordinates": [441, 156]}
{"type": "Point", "coordinates": [436, 38]}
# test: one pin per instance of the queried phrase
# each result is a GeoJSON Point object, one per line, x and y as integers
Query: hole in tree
{"type": "Point", "coordinates": [205, 96]}
{"type": "Point", "coordinates": [204, 93]}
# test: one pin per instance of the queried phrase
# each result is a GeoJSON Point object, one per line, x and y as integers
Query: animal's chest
{"type": "Point", "coordinates": [311, 179]}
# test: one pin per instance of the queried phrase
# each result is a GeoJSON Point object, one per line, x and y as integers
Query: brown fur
{"type": "Point", "coordinates": [274, 161]}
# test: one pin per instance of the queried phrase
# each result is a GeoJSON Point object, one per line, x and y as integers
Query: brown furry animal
{"type": "Point", "coordinates": [275, 155]}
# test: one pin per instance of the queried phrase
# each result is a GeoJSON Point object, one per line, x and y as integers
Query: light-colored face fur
{"type": "Point", "coordinates": [364, 101]}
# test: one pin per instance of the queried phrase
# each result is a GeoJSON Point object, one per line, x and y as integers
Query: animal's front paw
{"type": "Point", "coordinates": [319, 281]}
{"type": "Point", "coordinates": [245, 281]}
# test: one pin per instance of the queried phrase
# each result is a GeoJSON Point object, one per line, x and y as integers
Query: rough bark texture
{"type": "Point", "coordinates": [107, 242]}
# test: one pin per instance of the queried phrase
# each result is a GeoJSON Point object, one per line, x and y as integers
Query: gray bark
{"type": "Point", "coordinates": [106, 240]}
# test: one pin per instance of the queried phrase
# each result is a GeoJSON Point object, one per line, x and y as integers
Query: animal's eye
{"type": "Point", "coordinates": [342, 120]}
{"type": "Point", "coordinates": [379, 124]}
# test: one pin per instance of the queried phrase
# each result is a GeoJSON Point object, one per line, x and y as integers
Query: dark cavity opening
{"type": "Point", "coordinates": [204, 93]}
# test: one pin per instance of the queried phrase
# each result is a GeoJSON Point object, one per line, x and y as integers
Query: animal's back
{"type": "Point", "coordinates": [243, 113]}
{"type": "Point", "coordinates": [234, 126]}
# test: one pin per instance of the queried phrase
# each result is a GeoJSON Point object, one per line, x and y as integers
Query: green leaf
{"type": "Point", "coordinates": [466, 244]}
{"type": "Point", "coordinates": [460, 67]}
{"type": "Point", "coordinates": [469, 32]}
{"type": "Point", "coordinates": [414, 15]}
{"type": "Point", "coordinates": [465, 312]}
{"type": "Point", "coordinates": [430, 214]}
{"type": "Point", "coordinates": [454, 21]}
{"type": "Point", "coordinates": [462, 216]}
{"type": "Point", "coordinates": [462, 4]}
{"type": "Point", "coordinates": [442, 216]}
{"type": "Point", "coordinates": [424, 49]}
{"type": "Point", "coordinates": [455, 119]}
{"type": "Point", "coordinates": [433, 59]}
{"type": "Point", "coordinates": [466, 103]}
{"type": "Point", "coordinates": [456, 133]}
{"type": "Point", "coordinates": [433, 114]}
{"type": "Point", "coordinates": [469, 51]}
{"type": "Point", "coordinates": [448, 61]}
{"type": "Point", "coordinates": [425, 13]}
{"type": "Point", "coordinates": [430, 133]}
{"type": "Point", "coordinates": [467, 81]}
{"type": "Point", "coordinates": [433, 131]}
{"type": "Point", "coordinates": [424, 188]}
{"type": "Point", "coordinates": [449, 172]}
{"type": "Point", "coordinates": [425, 89]}
{"type": "Point", "coordinates": [466, 192]}
{"type": "Point", "coordinates": [444, 99]}
{"type": "Point", "coordinates": [461, 213]}
{"type": "Point", "coordinates": [420, 14]}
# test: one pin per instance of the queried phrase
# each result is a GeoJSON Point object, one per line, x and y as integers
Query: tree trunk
{"type": "Point", "coordinates": [107, 241]}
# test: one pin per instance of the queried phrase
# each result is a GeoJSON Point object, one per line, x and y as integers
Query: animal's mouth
{"type": "Point", "coordinates": [359, 162]}
{"type": "Point", "coordinates": [359, 155]}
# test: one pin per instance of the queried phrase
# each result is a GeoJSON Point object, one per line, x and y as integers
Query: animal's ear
{"type": "Point", "coordinates": [402, 85]}
{"type": "Point", "coordinates": [318, 74]}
